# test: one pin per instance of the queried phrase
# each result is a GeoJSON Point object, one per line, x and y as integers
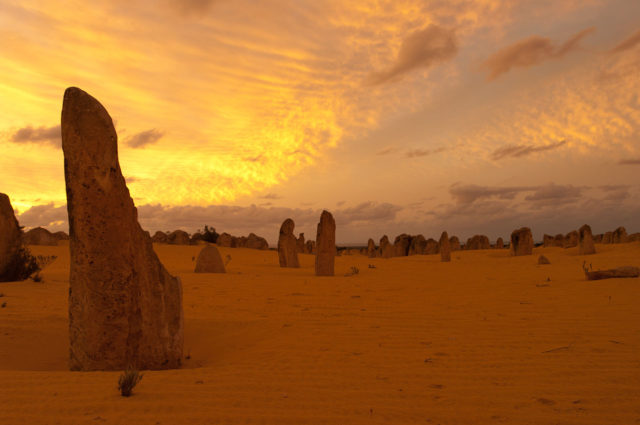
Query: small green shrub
{"type": "Point", "coordinates": [128, 380]}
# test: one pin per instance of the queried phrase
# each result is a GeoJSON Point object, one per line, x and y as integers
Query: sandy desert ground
{"type": "Point", "coordinates": [485, 339]}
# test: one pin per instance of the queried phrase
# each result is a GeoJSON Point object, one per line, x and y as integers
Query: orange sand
{"type": "Point", "coordinates": [484, 339]}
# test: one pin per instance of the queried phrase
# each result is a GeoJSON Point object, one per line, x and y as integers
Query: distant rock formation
{"type": "Point", "coordinates": [10, 241]}
{"type": "Point", "coordinates": [125, 309]}
{"type": "Point", "coordinates": [454, 243]}
{"type": "Point", "coordinates": [585, 241]}
{"type": "Point", "coordinates": [543, 260]}
{"type": "Point", "coordinates": [570, 240]}
{"type": "Point", "coordinates": [61, 236]}
{"type": "Point", "coordinates": [311, 247]}
{"type": "Point", "coordinates": [477, 242]}
{"type": "Point", "coordinates": [287, 245]}
{"type": "Point", "coordinates": [256, 242]}
{"type": "Point", "coordinates": [224, 240]}
{"type": "Point", "coordinates": [401, 245]}
{"type": "Point", "coordinates": [445, 247]}
{"type": "Point", "coordinates": [371, 248]}
{"type": "Point", "coordinates": [386, 249]}
{"type": "Point", "coordinates": [634, 237]}
{"type": "Point", "coordinates": [178, 237]}
{"type": "Point", "coordinates": [209, 261]}
{"type": "Point", "coordinates": [300, 243]}
{"type": "Point", "coordinates": [547, 241]}
{"type": "Point", "coordinates": [418, 245]}
{"type": "Point", "coordinates": [325, 245]}
{"type": "Point", "coordinates": [431, 247]}
{"type": "Point", "coordinates": [39, 236]}
{"type": "Point", "coordinates": [559, 240]}
{"type": "Point", "coordinates": [196, 239]}
{"type": "Point", "coordinates": [521, 242]}
{"type": "Point", "coordinates": [499, 243]}
{"type": "Point", "coordinates": [619, 235]}
{"type": "Point", "coordinates": [598, 238]}
{"type": "Point", "coordinates": [160, 237]}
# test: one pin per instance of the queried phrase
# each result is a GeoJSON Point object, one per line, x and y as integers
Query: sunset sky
{"type": "Point", "coordinates": [397, 116]}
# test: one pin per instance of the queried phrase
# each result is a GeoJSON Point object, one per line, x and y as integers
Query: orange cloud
{"type": "Point", "coordinates": [628, 43]}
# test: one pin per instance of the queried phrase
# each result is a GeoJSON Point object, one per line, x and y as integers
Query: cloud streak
{"type": "Point", "coordinates": [628, 43]}
{"type": "Point", "coordinates": [42, 134]}
{"type": "Point", "coordinates": [529, 52]}
{"type": "Point", "coordinates": [421, 49]}
{"type": "Point", "coordinates": [144, 138]}
{"type": "Point", "coordinates": [516, 151]}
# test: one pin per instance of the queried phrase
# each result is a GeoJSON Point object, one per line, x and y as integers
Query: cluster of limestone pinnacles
{"type": "Point", "coordinates": [125, 309]}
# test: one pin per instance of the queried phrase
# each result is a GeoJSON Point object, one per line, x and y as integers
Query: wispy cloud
{"type": "Point", "coordinates": [421, 49]}
{"type": "Point", "coordinates": [628, 43]}
{"type": "Point", "coordinates": [630, 161]}
{"type": "Point", "coordinates": [42, 134]}
{"type": "Point", "coordinates": [516, 151]}
{"type": "Point", "coordinates": [417, 153]}
{"type": "Point", "coordinates": [144, 138]}
{"type": "Point", "coordinates": [531, 51]}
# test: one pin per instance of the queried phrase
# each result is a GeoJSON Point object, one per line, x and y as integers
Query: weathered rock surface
{"type": "Point", "coordinates": [160, 237]}
{"type": "Point", "coordinates": [547, 241]}
{"type": "Point", "coordinates": [521, 242]}
{"type": "Point", "coordinates": [300, 243]}
{"type": "Point", "coordinates": [311, 247]}
{"type": "Point", "coordinates": [477, 242]}
{"type": "Point", "coordinates": [570, 239]}
{"type": "Point", "coordinates": [39, 236]}
{"type": "Point", "coordinates": [256, 242]}
{"type": "Point", "coordinates": [454, 242]}
{"type": "Point", "coordinates": [210, 261]}
{"type": "Point", "coordinates": [431, 247]}
{"type": "Point", "coordinates": [125, 309]}
{"type": "Point", "coordinates": [325, 245]}
{"type": "Point", "coordinates": [607, 237]}
{"type": "Point", "coordinates": [401, 245]}
{"type": "Point", "coordinates": [287, 245]}
{"type": "Point", "coordinates": [445, 247]}
{"type": "Point", "coordinates": [543, 260]}
{"type": "Point", "coordinates": [178, 237]}
{"type": "Point", "coordinates": [61, 236]}
{"type": "Point", "coordinates": [371, 248]}
{"type": "Point", "coordinates": [585, 241]}
{"type": "Point", "coordinates": [386, 249]}
{"type": "Point", "coordinates": [499, 243]}
{"type": "Point", "coordinates": [10, 240]}
{"type": "Point", "coordinates": [620, 272]}
{"type": "Point", "coordinates": [224, 240]}
{"type": "Point", "coordinates": [417, 246]}
{"type": "Point", "coordinates": [619, 235]}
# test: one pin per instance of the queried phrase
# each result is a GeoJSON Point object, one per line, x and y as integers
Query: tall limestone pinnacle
{"type": "Point", "coordinates": [125, 309]}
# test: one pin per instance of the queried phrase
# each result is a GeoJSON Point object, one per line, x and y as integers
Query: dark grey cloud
{"type": "Point", "coordinates": [630, 161]}
{"type": "Point", "coordinates": [421, 49]}
{"type": "Point", "coordinates": [42, 134]}
{"type": "Point", "coordinates": [555, 194]}
{"type": "Point", "coordinates": [628, 43]}
{"type": "Point", "coordinates": [144, 138]}
{"type": "Point", "coordinates": [516, 151]}
{"type": "Point", "coordinates": [531, 51]}
{"type": "Point", "coordinates": [469, 193]}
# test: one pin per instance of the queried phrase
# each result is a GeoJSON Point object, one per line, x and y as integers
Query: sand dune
{"type": "Point", "coordinates": [486, 338]}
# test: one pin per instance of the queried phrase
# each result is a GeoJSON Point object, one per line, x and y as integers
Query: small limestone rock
{"type": "Point", "coordinates": [371, 248]}
{"type": "Point", "coordinates": [585, 241]}
{"type": "Point", "coordinates": [325, 245]}
{"type": "Point", "coordinates": [543, 260]}
{"type": "Point", "coordinates": [287, 245]}
{"type": "Point", "coordinates": [386, 249]}
{"type": "Point", "coordinates": [445, 248]}
{"type": "Point", "coordinates": [454, 243]}
{"type": "Point", "coordinates": [209, 261]}
{"type": "Point", "coordinates": [500, 243]}
{"type": "Point", "coordinates": [521, 242]}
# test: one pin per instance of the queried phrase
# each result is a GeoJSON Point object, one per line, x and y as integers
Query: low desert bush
{"type": "Point", "coordinates": [128, 380]}
{"type": "Point", "coordinates": [21, 267]}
